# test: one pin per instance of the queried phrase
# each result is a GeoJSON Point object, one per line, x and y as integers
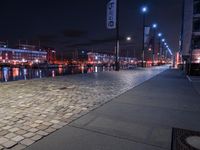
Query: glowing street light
{"type": "Point", "coordinates": [144, 9]}
{"type": "Point", "coordinates": [128, 38]}
{"type": "Point", "coordinates": [159, 34]}
{"type": "Point", "coordinates": [154, 25]}
{"type": "Point", "coordinates": [163, 40]}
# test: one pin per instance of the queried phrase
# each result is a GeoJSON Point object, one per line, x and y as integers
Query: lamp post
{"type": "Point", "coordinates": [165, 44]}
{"type": "Point", "coordinates": [159, 37]}
{"type": "Point", "coordinates": [154, 41]}
{"type": "Point", "coordinates": [163, 41]}
{"type": "Point", "coordinates": [144, 11]}
{"type": "Point", "coordinates": [129, 39]}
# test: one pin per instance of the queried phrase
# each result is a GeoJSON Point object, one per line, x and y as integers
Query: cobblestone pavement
{"type": "Point", "coordinates": [30, 110]}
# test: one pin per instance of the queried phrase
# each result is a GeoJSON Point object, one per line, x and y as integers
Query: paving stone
{"type": "Point", "coordinates": [10, 135]}
{"type": "Point", "coordinates": [62, 123]}
{"type": "Point", "coordinates": [9, 144]}
{"type": "Point", "coordinates": [7, 127]}
{"type": "Point", "coordinates": [39, 121]}
{"type": "Point", "coordinates": [50, 130]}
{"type": "Point", "coordinates": [55, 121]}
{"type": "Point", "coordinates": [36, 137]}
{"type": "Point", "coordinates": [18, 147]}
{"type": "Point", "coordinates": [56, 126]}
{"type": "Point", "coordinates": [21, 132]}
{"type": "Point", "coordinates": [27, 142]}
{"type": "Point", "coordinates": [47, 123]}
{"type": "Point", "coordinates": [42, 133]}
{"type": "Point", "coordinates": [29, 134]}
{"type": "Point", "coordinates": [3, 132]}
{"type": "Point", "coordinates": [17, 138]}
{"type": "Point", "coordinates": [33, 130]}
{"type": "Point", "coordinates": [1, 147]}
{"type": "Point", "coordinates": [14, 129]}
{"type": "Point", "coordinates": [3, 140]}
{"type": "Point", "coordinates": [2, 125]}
{"type": "Point", "coordinates": [34, 125]}
{"type": "Point", "coordinates": [25, 127]}
{"type": "Point", "coordinates": [42, 127]}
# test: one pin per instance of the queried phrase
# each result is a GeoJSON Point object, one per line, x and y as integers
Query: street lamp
{"type": "Point", "coordinates": [154, 26]}
{"type": "Point", "coordinates": [163, 41]}
{"type": "Point", "coordinates": [144, 11]}
{"type": "Point", "coordinates": [159, 36]}
{"type": "Point", "coordinates": [128, 38]}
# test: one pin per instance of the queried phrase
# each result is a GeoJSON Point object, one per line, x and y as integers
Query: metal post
{"type": "Point", "coordinates": [154, 41]}
{"type": "Point", "coordinates": [160, 52]}
{"type": "Point", "coordinates": [143, 47]}
{"type": "Point", "coordinates": [117, 39]}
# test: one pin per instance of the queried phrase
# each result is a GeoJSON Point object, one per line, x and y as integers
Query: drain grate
{"type": "Point", "coordinates": [180, 139]}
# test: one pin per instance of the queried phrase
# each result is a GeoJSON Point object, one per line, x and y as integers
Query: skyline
{"type": "Point", "coordinates": [86, 28]}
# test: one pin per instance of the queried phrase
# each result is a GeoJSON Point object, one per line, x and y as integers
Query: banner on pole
{"type": "Point", "coordinates": [111, 14]}
{"type": "Point", "coordinates": [146, 36]}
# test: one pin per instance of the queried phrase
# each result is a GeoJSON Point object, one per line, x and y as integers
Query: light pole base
{"type": "Point", "coordinates": [117, 66]}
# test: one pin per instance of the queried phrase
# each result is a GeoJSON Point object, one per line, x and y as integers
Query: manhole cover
{"type": "Point", "coordinates": [185, 139]}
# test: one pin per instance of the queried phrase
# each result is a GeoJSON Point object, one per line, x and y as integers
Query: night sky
{"type": "Point", "coordinates": [81, 24]}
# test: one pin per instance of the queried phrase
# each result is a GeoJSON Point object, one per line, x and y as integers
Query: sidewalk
{"type": "Point", "coordinates": [140, 119]}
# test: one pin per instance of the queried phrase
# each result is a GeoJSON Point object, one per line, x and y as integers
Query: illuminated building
{"type": "Point", "coordinates": [9, 55]}
{"type": "Point", "coordinates": [22, 54]}
{"type": "Point", "coordinates": [190, 41]}
{"type": "Point", "coordinates": [26, 54]}
{"type": "Point", "coordinates": [51, 55]}
{"type": "Point", "coordinates": [97, 58]}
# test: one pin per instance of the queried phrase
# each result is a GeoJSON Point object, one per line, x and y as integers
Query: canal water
{"type": "Point", "coordinates": [14, 74]}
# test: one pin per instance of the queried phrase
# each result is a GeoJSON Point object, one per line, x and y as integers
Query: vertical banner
{"type": "Point", "coordinates": [146, 36]}
{"type": "Point", "coordinates": [111, 14]}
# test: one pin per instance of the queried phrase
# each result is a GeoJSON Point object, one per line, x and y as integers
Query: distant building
{"type": "Point", "coordinates": [9, 55]}
{"type": "Point", "coordinates": [51, 55]}
{"type": "Point", "coordinates": [190, 41]}
{"type": "Point", "coordinates": [25, 53]}
{"type": "Point", "coordinates": [3, 44]}
{"type": "Point", "coordinates": [100, 58]}
{"type": "Point", "coordinates": [22, 54]}
{"type": "Point", "coordinates": [97, 58]}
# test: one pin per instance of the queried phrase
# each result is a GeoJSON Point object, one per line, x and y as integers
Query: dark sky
{"type": "Point", "coordinates": [81, 24]}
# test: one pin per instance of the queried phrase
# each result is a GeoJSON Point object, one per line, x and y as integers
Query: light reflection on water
{"type": "Point", "coordinates": [13, 74]}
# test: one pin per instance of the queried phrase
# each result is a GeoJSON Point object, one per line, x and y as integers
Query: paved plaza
{"type": "Point", "coordinates": [31, 110]}
{"type": "Point", "coordinates": [140, 119]}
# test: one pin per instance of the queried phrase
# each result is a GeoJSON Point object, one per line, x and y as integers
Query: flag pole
{"type": "Point", "coordinates": [117, 39]}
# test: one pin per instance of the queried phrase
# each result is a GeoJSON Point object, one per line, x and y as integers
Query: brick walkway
{"type": "Point", "coordinates": [30, 110]}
